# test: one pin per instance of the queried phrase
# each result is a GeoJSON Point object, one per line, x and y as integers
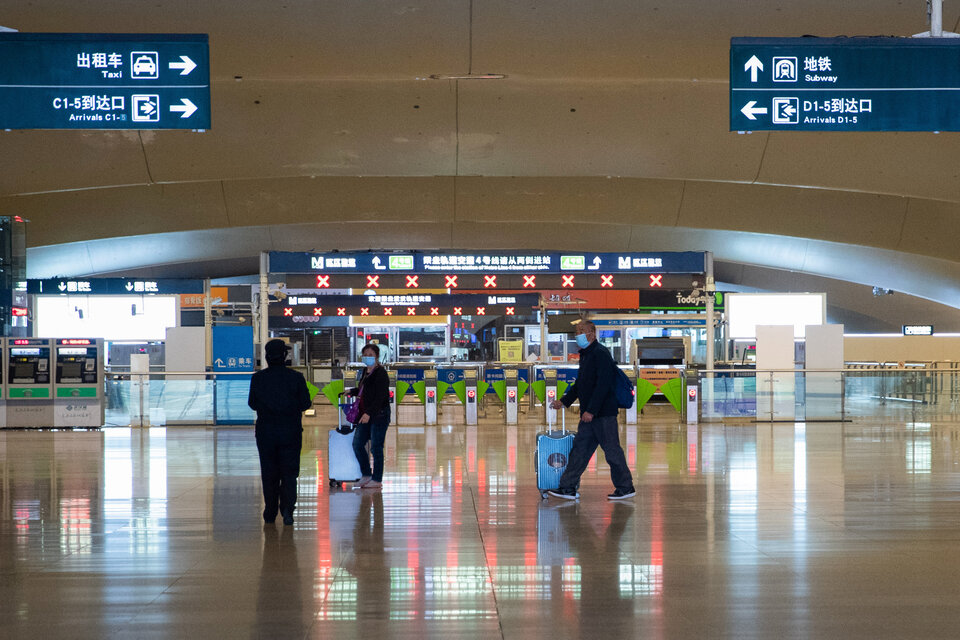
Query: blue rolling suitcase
{"type": "Point", "coordinates": [550, 458]}
{"type": "Point", "coordinates": [342, 461]}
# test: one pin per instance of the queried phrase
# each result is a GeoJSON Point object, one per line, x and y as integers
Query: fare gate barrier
{"type": "Point", "coordinates": [29, 389]}
{"type": "Point", "coordinates": [392, 387]}
{"type": "Point", "coordinates": [470, 406]}
{"type": "Point", "coordinates": [78, 384]}
{"type": "Point", "coordinates": [550, 378]}
{"type": "Point", "coordinates": [511, 404]}
{"type": "Point", "coordinates": [693, 398]}
{"type": "Point", "coordinates": [430, 406]}
{"type": "Point", "coordinates": [631, 417]}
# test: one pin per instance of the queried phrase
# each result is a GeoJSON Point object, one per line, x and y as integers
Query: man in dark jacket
{"type": "Point", "coordinates": [595, 390]}
{"type": "Point", "coordinates": [279, 396]}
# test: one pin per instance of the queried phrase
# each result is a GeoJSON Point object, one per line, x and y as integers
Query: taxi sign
{"type": "Point", "coordinates": [104, 81]}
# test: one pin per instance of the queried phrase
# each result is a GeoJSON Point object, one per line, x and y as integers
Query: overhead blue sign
{"type": "Point", "coordinates": [488, 262]}
{"type": "Point", "coordinates": [114, 286]}
{"type": "Point", "coordinates": [650, 322]}
{"type": "Point", "coordinates": [104, 81]}
{"type": "Point", "coordinates": [233, 349]}
{"type": "Point", "coordinates": [845, 84]}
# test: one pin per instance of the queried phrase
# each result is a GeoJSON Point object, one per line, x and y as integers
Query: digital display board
{"type": "Point", "coordinates": [481, 262]}
{"type": "Point", "coordinates": [104, 81]}
{"type": "Point", "coordinates": [844, 84]}
{"type": "Point", "coordinates": [491, 281]}
{"type": "Point", "coordinates": [917, 329]}
{"type": "Point", "coordinates": [298, 311]}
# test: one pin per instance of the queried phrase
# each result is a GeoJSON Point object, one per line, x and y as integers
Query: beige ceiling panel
{"type": "Point", "coordinates": [44, 161]}
{"type": "Point", "coordinates": [856, 218]}
{"type": "Point", "coordinates": [281, 129]}
{"type": "Point", "coordinates": [373, 200]}
{"type": "Point", "coordinates": [662, 39]}
{"type": "Point", "coordinates": [932, 229]}
{"type": "Point", "coordinates": [290, 39]}
{"type": "Point", "coordinates": [359, 236]}
{"type": "Point", "coordinates": [104, 213]}
{"type": "Point", "coordinates": [558, 200]}
{"type": "Point", "coordinates": [523, 235]}
{"type": "Point", "coordinates": [644, 130]}
{"type": "Point", "coordinates": [889, 163]}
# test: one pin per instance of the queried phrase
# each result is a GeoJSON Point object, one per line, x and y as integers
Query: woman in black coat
{"type": "Point", "coordinates": [374, 399]}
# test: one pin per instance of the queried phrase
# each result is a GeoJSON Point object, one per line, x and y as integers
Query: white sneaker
{"type": "Point", "coordinates": [364, 481]}
{"type": "Point", "coordinates": [373, 484]}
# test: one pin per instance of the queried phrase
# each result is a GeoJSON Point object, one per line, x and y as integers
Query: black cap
{"type": "Point", "coordinates": [276, 349]}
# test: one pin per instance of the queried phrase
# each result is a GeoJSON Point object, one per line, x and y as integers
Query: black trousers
{"type": "Point", "coordinates": [279, 469]}
{"type": "Point", "coordinates": [605, 433]}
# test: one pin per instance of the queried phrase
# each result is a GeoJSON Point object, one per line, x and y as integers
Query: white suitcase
{"type": "Point", "coordinates": [342, 463]}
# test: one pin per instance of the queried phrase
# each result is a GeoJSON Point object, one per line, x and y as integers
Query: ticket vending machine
{"type": "Point", "coordinates": [430, 406]}
{"type": "Point", "coordinates": [631, 417]}
{"type": "Point", "coordinates": [470, 406]}
{"type": "Point", "coordinates": [392, 377]}
{"type": "Point", "coordinates": [550, 377]}
{"type": "Point", "coordinates": [78, 382]}
{"type": "Point", "coordinates": [29, 389]}
{"type": "Point", "coordinates": [510, 412]}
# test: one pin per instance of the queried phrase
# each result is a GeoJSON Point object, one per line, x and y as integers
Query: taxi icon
{"type": "Point", "coordinates": [144, 66]}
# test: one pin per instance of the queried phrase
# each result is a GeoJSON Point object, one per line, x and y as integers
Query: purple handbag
{"type": "Point", "coordinates": [352, 414]}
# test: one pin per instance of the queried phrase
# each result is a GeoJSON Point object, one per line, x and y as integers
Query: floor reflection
{"type": "Point", "coordinates": [791, 530]}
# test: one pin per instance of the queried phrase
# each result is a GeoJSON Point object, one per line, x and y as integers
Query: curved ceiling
{"type": "Point", "coordinates": [609, 131]}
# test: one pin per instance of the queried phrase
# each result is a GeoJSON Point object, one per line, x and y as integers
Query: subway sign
{"type": "Point", "coordinates": [844, 84]}
{"type": "Point", "coordinates": [479, 262]}
{"type": "Point", "coordinates": [104, 81]}
{"type": "Point", "coordinates": [114, 286]}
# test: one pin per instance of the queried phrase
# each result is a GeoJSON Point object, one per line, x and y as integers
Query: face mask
{"type": "Point", "coordinates": [582, 341]}
{"type": "Point", "coordinates": [369, 360]}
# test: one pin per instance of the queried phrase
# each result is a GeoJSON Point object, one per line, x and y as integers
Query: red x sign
{"type": "Point", "coordinates": [364, 311]}
{"type": "Point", "coordinates": [413, 282]}
{"type": "Point", "coordinates": [458, 311]}
{"type": "Point", "coordinates": [656, 280]}
{"type": "Point", "coordinates": [434, 311]}
{"type": "Point", "coordinates": [388, 311]}
{"type": "Point", "coordinates": [606, 281]}
{"type": "Point", "coordinates": [373, 282]}
{"type": "Point", "coordinates": [490, 282]}
{"type": "Point", "coordinates": [481, 311]}
{"type": "Point", "coordinates": [288, 311]}
{"type": "Point", "coordinates": [341, 311]}
{"type": "Point", "coordinates": [318, 311]}
{"type": "Point", "coordinates": [323, 282]}
{"type": "Point", "coordinates": [451, 282]}
{"type": "Point", "coordinates": [529, 282]}
{"type": "Point", "coordinates": [411, 311]}
{"type": "Point", "coordinates": [509, 311]}
{"type": "Point", "coordinates": [567, 281]}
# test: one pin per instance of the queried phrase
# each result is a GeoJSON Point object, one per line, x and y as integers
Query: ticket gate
{"type": "Point", "coordinates": [430, 406]}
{"type": "Point", "coordinates": [693, 404]}
{"type": "Point", "coordinates": [78, 382]}
{"type": "Point", "coordinates": [631, 417]}
{"type": "Point", "coordinates": [3, 388]}
{"type": "Point", "coordinates": [392, 389]}
{"type": "Point", "coordinates": [550, 378]}
{"type": "Point", "coordinates": [510, 411]}
{"type": "Point", "coordinates": [470, 406]}
{"type": "Point", "coordinates": [29, 389]}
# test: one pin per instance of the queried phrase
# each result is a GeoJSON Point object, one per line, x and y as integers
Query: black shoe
{"type": "Point", "coordinates": [269, 518]}
{"type": "Point", "coordinates": [564, 494]}
{"type": "Point", "coordinates": [620, 494]}
{"type": "Point", "coordinates": [288, 520]}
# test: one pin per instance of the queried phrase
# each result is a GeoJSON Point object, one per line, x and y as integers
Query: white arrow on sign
{"type": "Point", "coordinates": [186, 66]}
{"type": "Point", "coordinates": [62, 286]}
{"type": "Point", "coordinates": [752, 111]}
{"type": "Point", "coordinates": [376, 263]}
{"type": "Point", "coordinates": [753, 66]}
{"type": "Point", "coordinates": [129, 286]}
{"type": "Point", "coordinates": [186, 109]}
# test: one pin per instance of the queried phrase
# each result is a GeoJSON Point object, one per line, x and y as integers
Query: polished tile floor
{"type": "Point", "coordinates": [783, 531]}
